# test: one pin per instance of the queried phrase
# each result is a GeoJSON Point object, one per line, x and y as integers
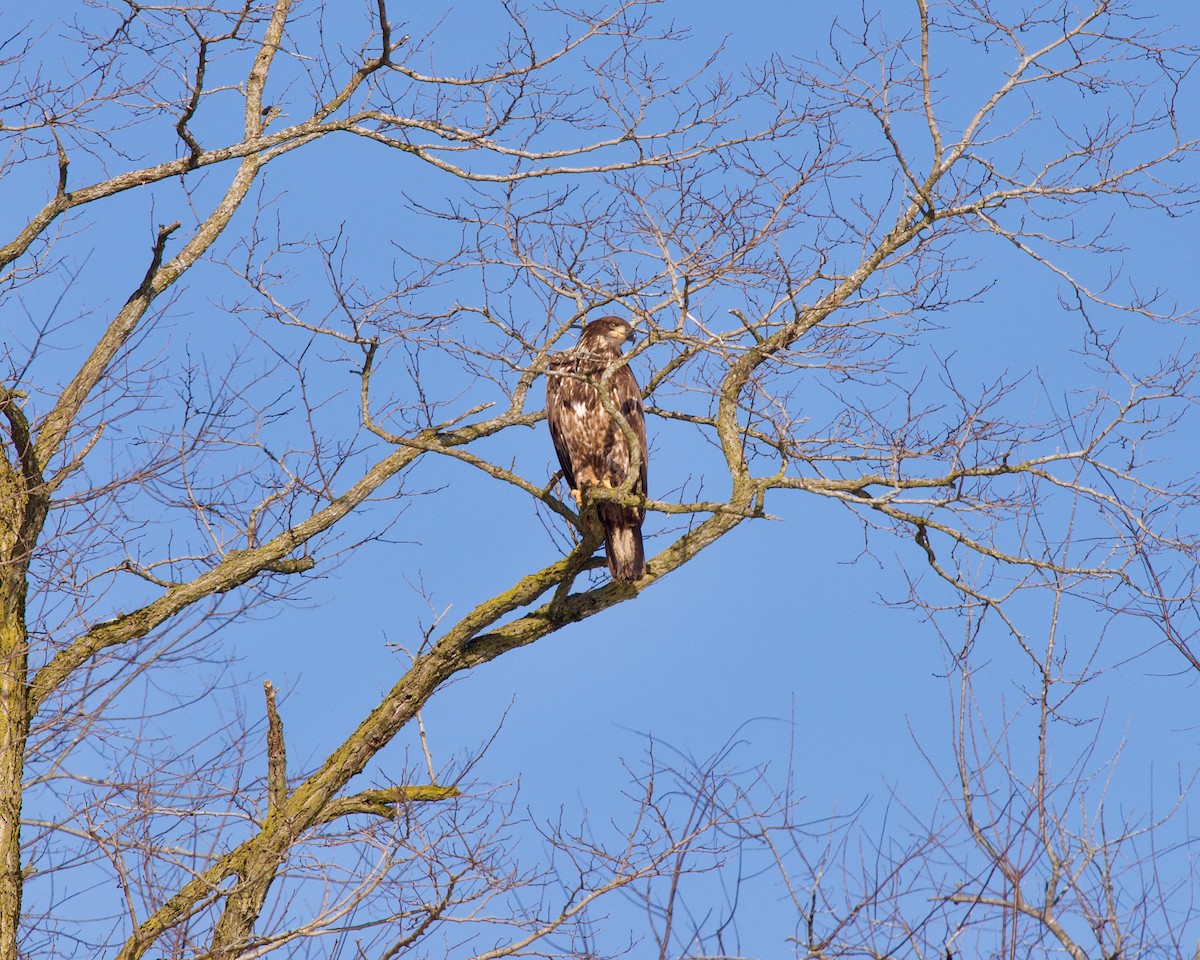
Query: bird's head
{"type": "Point", "coordinates": [606, 334]}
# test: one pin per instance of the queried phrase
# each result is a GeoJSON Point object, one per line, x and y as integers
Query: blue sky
{"type": "Point", "coordinates": [785, 636]}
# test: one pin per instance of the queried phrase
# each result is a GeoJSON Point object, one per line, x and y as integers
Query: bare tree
{"type": "Point", "coordinates": [795, 244]}
{"type": "Point", "coordinates": [1026, 854]}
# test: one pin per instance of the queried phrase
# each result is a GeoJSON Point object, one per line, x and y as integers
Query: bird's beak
{"type": "Point", "coordinates": [631, 338]}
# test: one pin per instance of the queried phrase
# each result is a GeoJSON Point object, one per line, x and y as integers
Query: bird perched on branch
{"type": "Point", "coordinates": [594, 448]}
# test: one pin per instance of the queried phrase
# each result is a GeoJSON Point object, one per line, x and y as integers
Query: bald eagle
{"type": "Point", "coordinates": [591, 446]}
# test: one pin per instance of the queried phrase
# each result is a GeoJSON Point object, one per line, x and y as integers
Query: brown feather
{"type": "Point", "coordinates": [591, 446]}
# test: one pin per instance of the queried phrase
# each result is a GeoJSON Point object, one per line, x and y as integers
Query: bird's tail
{"type": "Point", "coordinates": [623, 546]}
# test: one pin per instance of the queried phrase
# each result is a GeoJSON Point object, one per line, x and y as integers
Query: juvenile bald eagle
{"type": "Point", "coordinates": [590, 444]}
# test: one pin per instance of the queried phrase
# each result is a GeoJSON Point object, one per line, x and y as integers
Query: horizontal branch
{"type": "Point", "coordinates": [387, 803]}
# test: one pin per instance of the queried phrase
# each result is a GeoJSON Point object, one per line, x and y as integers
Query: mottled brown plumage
{"type": "Point", "coordinates": [590, 444]}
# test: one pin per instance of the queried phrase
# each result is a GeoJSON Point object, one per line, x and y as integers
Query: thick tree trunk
{"type": "Point", "coordinates": [14, 731]}
{"type": "Point", "coordinates": [23, 505]}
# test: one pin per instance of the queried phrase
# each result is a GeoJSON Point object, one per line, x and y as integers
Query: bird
{"type": "Point", "coordinates": [592, 446]}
